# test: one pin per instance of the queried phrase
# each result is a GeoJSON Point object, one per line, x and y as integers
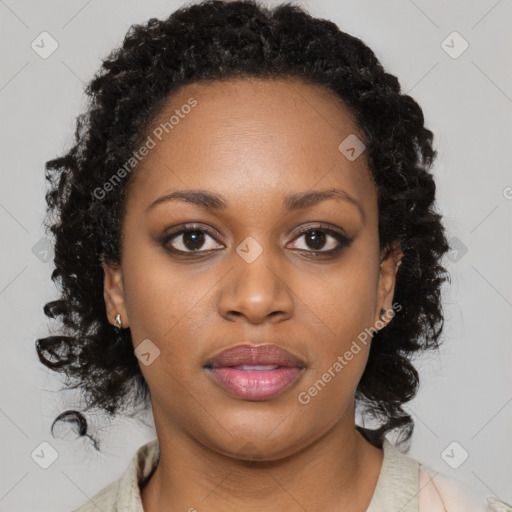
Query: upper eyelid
{"type": "Point", "coordinates": [196, 227]}
{"type": "Point", "coordinates": [208, 230]}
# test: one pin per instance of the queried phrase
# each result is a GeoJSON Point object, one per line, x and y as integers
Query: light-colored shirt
{"type": "Point", "coordinates": [404, 485]}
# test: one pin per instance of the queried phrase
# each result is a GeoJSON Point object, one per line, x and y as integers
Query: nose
{"type": "Point", "coordinates": [257, 291]}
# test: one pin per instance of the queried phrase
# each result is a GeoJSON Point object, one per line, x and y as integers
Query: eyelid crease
{"type": "Point", "coordinates": [341, 237]}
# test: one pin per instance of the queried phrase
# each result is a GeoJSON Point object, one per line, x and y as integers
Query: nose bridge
{"type": "Point", "coordinates": [257, 285]}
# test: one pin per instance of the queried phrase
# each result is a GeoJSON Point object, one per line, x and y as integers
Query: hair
{"type": "Point", "coordinates": [218, 40]}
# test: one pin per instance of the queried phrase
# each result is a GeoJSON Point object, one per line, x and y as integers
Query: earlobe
{"type": "Point", "coordinates": [113, 292]}
{"type": "Point", "coordinates": [390, 262]}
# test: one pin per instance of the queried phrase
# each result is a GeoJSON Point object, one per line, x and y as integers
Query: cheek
{"type": "Point", "coordinates": [169, 306]}
{"type": "Point", "coordinates": [338, 364]}
{"type": "Point", "coordinates": [156, 293]}
{"type": "Point", "coordinates": [339, 313]}
{"type": "Point", "coordinates": [339, 303]}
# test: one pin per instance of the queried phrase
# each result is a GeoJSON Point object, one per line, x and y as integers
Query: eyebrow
{"type": "Point", "coordinates": [292, 202]}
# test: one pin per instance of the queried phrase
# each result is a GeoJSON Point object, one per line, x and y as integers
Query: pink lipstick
{"type": "Point", "coordinates": [255, 372]}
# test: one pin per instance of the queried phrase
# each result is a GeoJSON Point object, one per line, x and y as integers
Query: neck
{"type": "Point", "coordinates": [338, 471]}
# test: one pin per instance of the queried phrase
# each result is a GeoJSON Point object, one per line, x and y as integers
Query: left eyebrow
{"type": "Point", "coordinates": [292, 202]}
{"type": "Point", "coordinates": [306, 199]}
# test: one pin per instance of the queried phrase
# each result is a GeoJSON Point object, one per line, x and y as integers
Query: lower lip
{"type": "Point", "coordinates": [254, 384]}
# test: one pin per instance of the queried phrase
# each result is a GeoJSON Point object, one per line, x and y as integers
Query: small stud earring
{"type": "Point", "coordinates": [117, 321]}
{"type": "Point", "coordinates": [382, 315]}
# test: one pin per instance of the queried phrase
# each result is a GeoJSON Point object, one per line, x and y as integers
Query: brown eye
{"type": "Point", "coordinates": [322, 240]}
{"type": "Point", "coordinates": [191, 239]}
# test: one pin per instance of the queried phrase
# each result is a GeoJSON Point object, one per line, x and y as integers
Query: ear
{"type": "Point", "coordinates": [113, 292]}
{"type": "Point", "coordinates": [390, 261]}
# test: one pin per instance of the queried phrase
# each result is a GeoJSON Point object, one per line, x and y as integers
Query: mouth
{"type": "Point", "coordinates": [255, 372]}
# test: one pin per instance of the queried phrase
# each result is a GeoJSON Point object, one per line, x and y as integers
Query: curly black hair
{"type": "Point", "coordinates": [217, 40]}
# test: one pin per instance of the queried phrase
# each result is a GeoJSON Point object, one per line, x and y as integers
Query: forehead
{"type": "Point", "coordinates": [260, 134]}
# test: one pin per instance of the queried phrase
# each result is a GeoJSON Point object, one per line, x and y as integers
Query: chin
{"type": "Point", "coordinates": [264, 442]}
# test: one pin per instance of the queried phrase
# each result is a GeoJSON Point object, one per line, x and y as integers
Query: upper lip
{"type": "Point", "coordinates": [250, 354]}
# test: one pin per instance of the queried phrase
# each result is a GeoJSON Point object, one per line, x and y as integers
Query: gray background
{"type": "Point", "coordinates": [466, 393]}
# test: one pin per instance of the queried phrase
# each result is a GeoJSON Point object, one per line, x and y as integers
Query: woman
{"type": "Point", "coordinates": [247, 208]}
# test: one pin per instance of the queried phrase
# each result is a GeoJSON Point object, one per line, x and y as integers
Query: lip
{"type": "Point", "coordinates": [249, 354]}
{"type": "Point", "coordinates": [252, 383]}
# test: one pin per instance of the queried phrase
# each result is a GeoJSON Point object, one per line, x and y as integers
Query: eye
{"type": "Point", "coordinates": [317, 238]}
{"type": "Point", "coordinates": [190, 239]}
{"type": "Point", "coordinates": [193, 238]}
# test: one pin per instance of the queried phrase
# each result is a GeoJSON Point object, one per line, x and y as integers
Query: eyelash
{"type": "Point", "coordinates": [342, 239]}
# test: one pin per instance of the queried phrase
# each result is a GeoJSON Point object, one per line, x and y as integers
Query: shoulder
{"type": "Point", "coordinates": [105, 500]}
{"type": "Point", "coordinates": [124, 493]}
{"type": "Point", "coordinates": [442, 493]}
{"type": "Point", "coordinates": [408, 485]}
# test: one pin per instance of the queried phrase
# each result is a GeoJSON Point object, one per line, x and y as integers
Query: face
{"type": "Point", "coordinates": [261, 262]}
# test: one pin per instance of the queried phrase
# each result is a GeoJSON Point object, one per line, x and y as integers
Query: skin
{"type": "Point", "coordinates": [253, 141]}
